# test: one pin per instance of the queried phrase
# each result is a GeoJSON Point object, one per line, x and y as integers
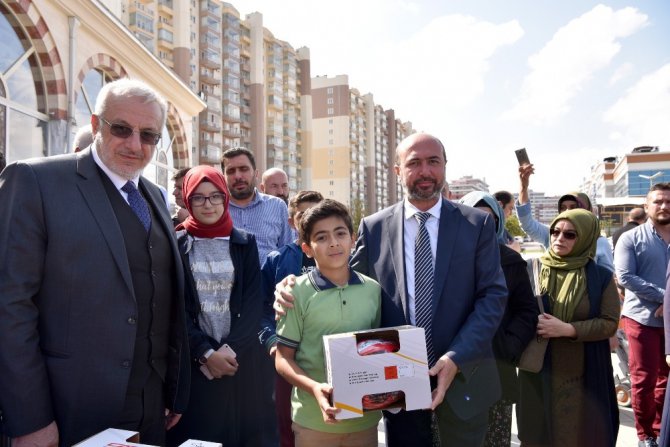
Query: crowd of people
{"type": "Point", "coordinates": [207, 323]}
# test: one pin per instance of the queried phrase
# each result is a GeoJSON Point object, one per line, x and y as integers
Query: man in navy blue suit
{"type": "Point", "coordinates": [468, 294]}
{"type": "Point", "coordinates": [467, 302]}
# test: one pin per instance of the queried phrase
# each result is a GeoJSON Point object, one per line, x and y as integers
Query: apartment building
{"type": "Point", "coordinates": [461, 186]}
{"type": "Point", "coordinates": [353, 145]}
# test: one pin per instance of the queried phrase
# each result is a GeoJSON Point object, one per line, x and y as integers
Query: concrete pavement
{"type": "Point", "coordinates": [627, 436]}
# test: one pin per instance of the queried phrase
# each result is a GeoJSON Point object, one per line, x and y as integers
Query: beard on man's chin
{"type": "Point", "coordinates": [242, 194]}
{"type": "Point", "coordinates": [414, 193]}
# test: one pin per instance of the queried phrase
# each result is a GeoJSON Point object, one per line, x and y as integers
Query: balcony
{"type": "Point", "coordinates": [209, 78]}
{"type": "Point", "coordinates": [164, 43]}
{"type": "Point", "coordinates": [231, 118]}
{"type": "Point", "coordinates": [210, 62]}
{"type": "Point", "coordinates": [231, 133]}
{"type": "Point", "coordinates": [165, 6]}
{"type": "Point", "coordinates": [210, 126]}
{"type": "Point", "coordinates": [210, 153]}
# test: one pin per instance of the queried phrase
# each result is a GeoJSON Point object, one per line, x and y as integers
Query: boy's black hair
{"type": "Point", "coordinates": [323, 210]}
{"type": "Point", "coordinates": [303, 197]}
{"type": "Point", "coordinates": [180, 174]}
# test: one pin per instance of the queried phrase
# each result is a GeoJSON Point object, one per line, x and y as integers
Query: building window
{"type": "Point", "coordinates": [330, 121]}
{"type": "Point", "coordinates": [331, 193]}
{"type": "Point", "coordinates": [331, 101]}
{"type": "Point", "coordinates": [332, 182]}
{"type": "Point", "coordinates": [330, 131]}
{"type": "Point", "coordinates": [23, 122]}
{"type": "Point", "coordinates": [330, 90]}
{"type": "Point", "coordinates": [331, 111]}
{"type": "Point", "coordinates": [330, 142]}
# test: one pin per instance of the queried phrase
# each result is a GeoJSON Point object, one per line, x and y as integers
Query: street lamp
{"type": "Point", "coordinates": [651, 178]}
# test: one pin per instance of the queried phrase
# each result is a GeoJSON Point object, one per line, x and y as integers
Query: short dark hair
{"type": "Point", "coordinates": [504, 197]}
{"type": "Point", "coordinates": [180, 174]}
{"type": "Point", "coordinates": [323, 210]}
{"type": "Point", "coordinates": [3, 162]}
{"type": "Point", "coordinates": [235, 152]}
{"type": "Point", "coordinates": [303, 197]}
{"type": "Point", "coordinates": [663, 186]}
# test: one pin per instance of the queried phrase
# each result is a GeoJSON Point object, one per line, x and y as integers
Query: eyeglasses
{"type": "Point", "coordinates": [123, 131]}
{"type": "Point", "coordinates": [568, 234]}
{"type": "Point", "coordinates": [214, 199]}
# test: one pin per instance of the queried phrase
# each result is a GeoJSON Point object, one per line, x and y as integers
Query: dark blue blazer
{"type": "Point", "coordinates": [469, 293]}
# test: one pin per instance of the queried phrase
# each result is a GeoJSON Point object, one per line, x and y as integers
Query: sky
{"type": "Point", "coordinates": [572, 81]}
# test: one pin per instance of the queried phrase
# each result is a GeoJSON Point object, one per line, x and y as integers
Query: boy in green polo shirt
{"type": "Point", "coordinates": [330, 299]}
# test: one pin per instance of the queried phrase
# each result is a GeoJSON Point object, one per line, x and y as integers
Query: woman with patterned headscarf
{"type": "Point", "coordinates": [571, 401]}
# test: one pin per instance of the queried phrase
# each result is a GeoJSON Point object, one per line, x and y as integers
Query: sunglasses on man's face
{"type": "Point", "coordinates": [123, 131]}
{"type": "Point", "coordinates": [567, 234]}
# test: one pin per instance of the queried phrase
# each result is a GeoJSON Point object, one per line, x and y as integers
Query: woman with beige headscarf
{"type": "Point", "coordinates": [571, 401]}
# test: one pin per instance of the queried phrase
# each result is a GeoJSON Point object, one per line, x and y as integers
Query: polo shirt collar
{"type": "Point", "coordinates": [322, 283]}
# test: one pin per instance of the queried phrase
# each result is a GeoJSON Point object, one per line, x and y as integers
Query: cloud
{"type": "Point", "coordinates": [569, 60]}
{"type": "Point", "coordinates": [433, 74]}
{"type": "Point", "coordinates": [642, 115]}
{"type": "Point", "coordinates": [622, 72]}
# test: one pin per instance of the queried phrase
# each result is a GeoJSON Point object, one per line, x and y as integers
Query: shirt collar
{"type": "Point", "coordinates": [321, 283]}
{"type": "Point", "coordinates": [116, 179]}
{"type": "Point", "coordinates": [411, 210]}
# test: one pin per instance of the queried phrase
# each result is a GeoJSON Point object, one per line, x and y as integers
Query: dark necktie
{"type": "Point", "coordinates": [138, 204]}
{"type": "Point", "coordinates": [423, 284]}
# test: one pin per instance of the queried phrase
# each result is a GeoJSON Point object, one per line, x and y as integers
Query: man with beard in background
{"type": "Point", "coordinates": [262, 215]}
{"type": "Point", "coordinates": [266, 217]}
{"type": "Point", "coordinates": [274, 182]}
{"type": "Point", "coordinates": [641, 259]}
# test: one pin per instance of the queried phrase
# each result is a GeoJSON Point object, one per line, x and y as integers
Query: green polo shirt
{"type": "Point", "coordinates": [322, 308]}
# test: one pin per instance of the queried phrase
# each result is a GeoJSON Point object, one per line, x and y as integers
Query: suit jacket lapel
{"type": "Point", "coordinates": [446, 239]}
{"type": "Point", "coordinates": [396, 236]}
{"type": "Point", "coordinates": [91, 187]}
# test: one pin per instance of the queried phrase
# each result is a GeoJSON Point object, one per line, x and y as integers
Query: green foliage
{"type": "Point", "coordinates": [357, 211]}
{"type": "Point", "coordinates": [513, 226]}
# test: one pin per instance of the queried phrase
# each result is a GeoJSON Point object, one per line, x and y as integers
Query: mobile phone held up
{"type": "Point", "coordinates": [522, 156]}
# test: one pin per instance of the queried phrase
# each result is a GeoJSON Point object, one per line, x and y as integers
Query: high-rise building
{"type": "Point", "coordinates": [353, 145]}
{"type": "Point", "coordinates": [461, 186]}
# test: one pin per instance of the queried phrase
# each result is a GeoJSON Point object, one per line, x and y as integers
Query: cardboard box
{"type": "Point", "coordinates": [364, 367]}
{"type": "Point", "coordinates": [113, 437]}
{"type": "Point", "coordinates": [194, 443]}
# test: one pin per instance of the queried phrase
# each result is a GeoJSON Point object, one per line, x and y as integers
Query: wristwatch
{"type": "Point", "coordinates": [203, 358]}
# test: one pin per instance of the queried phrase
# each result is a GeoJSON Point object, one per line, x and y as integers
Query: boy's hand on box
{"type": "Point", "coordinates": [322, 393]}
{"type": "Point", "coordinates": [222, 364]}
{"type": "Point", "coordinates": [283, 297]}
{"type": "Point", "coordinates": [445, 369]}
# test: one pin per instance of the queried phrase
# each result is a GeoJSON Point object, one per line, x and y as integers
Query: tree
{"type": "Point", "coordinates": [357, 213]}
{"type": "Point", "coordinates": [513, 226]}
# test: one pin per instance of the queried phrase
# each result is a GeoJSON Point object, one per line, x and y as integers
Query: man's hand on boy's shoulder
{"type": "Point", "coordinates": [322, 393]}
{"type": "Point", "coordinates": [283, 296]}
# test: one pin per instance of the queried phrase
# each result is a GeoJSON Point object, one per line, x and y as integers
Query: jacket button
{"type": "Point", "coordinates": [125, 364]}
{"type": "Point", "coordinates": [131, 320]}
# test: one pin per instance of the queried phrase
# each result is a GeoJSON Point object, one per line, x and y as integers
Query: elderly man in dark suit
{"type": "Point", "coordinates": [91, 286]}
